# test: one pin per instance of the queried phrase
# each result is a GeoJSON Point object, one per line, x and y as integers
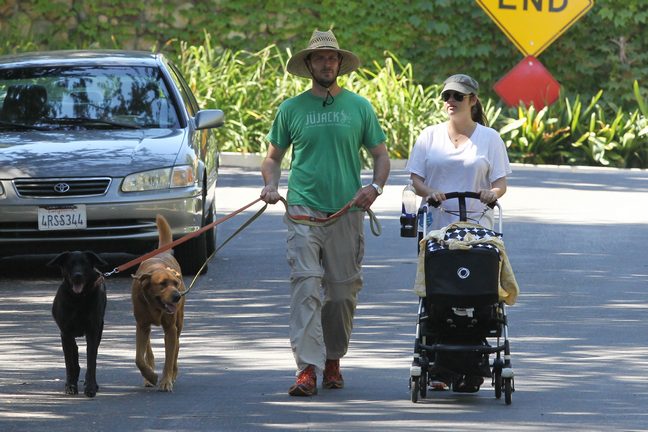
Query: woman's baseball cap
{"type": "Point", "coordinates": [461, 83]}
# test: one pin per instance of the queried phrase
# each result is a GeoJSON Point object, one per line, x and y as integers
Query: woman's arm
{"type": "Point", "coordinates": [498, 188]}
{"type": "Point", "coordinates": [425, 191]}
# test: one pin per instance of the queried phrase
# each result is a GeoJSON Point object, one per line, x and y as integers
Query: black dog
{"type": "Point", "coordinates": [78, 309]}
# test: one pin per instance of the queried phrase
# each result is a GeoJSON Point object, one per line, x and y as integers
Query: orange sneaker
{"type": "Point", "coordinates": [306, 383]}
{"type": "Point", "coordinates": [332, 376]}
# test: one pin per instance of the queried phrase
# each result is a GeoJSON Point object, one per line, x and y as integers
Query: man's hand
{"type": "Point", "coordinates": [270, 194]}
{"type": "Point", "coordinates": [271, 172]}
{"type": "Point", "coordinates": [365, 197]}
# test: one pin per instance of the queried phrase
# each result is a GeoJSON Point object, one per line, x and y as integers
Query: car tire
{"type": "Point", "coordinates": [192, 254]}
{"type": "Point", "coordinates": [210, 235]}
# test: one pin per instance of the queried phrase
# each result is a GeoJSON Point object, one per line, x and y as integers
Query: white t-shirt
{"type": "Point", "coordinates": [473, 166]}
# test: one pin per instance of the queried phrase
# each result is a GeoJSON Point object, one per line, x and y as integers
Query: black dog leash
{"type": "Point", "coordinates": [241, 228]}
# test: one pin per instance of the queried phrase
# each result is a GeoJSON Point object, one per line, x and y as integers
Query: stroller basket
{"type": "Point", "coordinates": [441, 322]}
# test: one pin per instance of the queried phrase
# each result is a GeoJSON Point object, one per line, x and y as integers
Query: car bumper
{"type": "Point", "coordinates": [125, 225]}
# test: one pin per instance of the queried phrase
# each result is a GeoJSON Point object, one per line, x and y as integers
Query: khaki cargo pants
{"type": "Point", "coordinates": [325, 279]}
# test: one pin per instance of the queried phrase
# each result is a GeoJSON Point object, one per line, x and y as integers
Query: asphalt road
{"type": "Point", "coordinates": [576, 239]}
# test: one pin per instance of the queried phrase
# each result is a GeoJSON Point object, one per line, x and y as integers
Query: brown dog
{"type": "Point", "coordinates": [157, 300]}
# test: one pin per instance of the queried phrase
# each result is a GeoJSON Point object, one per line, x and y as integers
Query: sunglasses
{"type": "Point", "coordinates": [446, 95]}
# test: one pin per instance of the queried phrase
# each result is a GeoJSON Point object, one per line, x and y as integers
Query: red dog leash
{"type": "Point", "coordinates": [303, 219]}
{"type": "Point", "coordinates": [182, 239]}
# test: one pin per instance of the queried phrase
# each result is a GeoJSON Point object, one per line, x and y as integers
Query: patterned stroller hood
{"type": "Point", "coordinates": [466, 235]}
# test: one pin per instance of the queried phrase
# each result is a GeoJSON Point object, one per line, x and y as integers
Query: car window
{"type": "Point", "coordinates": [183, 89]}
{"type": "Point", "coordinates": [65, 97]}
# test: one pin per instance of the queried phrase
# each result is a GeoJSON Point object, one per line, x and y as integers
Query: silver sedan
{"type": "Point", "coordinates": [94, 144]}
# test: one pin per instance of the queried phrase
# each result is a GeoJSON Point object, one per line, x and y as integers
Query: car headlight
{"type": "Point", "coordinates": [163, 178]}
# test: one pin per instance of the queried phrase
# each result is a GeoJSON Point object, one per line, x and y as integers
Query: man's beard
{"type": "Point", "coordinates": [326, 83]}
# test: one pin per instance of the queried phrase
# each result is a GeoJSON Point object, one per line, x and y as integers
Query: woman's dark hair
{"type": "Point", "coordinates": [477, 113]}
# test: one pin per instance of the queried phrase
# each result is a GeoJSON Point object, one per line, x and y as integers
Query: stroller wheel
{"type": "Point", "coordinates": [423, 384]}
{"type": "Point", "coordinates": [415, 388]}
{"type": "Point", "coordinates": [497, 383]}
{"type": "Point", "coordinates": [508, 389]}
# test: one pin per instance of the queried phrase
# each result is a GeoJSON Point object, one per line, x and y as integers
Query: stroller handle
{"type": "Point", "coordinates": [461, 196]}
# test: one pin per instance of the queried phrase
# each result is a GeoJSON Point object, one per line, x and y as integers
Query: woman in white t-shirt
{"type": "Point", "coordinates": [460, 155]}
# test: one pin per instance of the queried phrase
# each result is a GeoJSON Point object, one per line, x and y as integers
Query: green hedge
{"type": "Point", "coordinates": [606, 49]}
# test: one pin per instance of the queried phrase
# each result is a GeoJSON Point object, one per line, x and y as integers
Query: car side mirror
{"type": "Point", "coordinates": [210, 118]}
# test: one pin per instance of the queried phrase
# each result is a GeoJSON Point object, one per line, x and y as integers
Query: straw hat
{"type": "Point", "coordinates": [322, 41]}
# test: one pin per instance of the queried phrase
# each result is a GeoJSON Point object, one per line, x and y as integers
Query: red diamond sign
{"type": "Point", "coordinates": [528, 82]}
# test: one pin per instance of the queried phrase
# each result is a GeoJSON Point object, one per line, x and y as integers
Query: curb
{"type": "Point", "coordinates": [241, 160]}
{"type": "Point", "coordinates": [253, 160]}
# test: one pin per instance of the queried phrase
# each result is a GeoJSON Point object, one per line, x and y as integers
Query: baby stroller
{"type": "Point", "coordinates": [461, 318]}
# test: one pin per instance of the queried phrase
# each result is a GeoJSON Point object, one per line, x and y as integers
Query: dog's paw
{"type": "Point", "coordinates": [91, 390]}
{"type": "Point", "coordinates": [150, 377]}
{"type": "Point", "coordinates": [71, 389]}
{"type": "Point", "coordinates": [166, 385]}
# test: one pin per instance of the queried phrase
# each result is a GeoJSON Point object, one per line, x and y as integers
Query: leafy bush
{"type": "Point", "coordinates": [402, 105]}
{"type": "Point", "coordinates": [249, 86]}
{"type": "Point", "coordinates": [568, 133]}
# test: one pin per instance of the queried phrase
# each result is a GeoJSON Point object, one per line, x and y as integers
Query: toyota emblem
{"type": "Point", "coordinates": [61, 187]}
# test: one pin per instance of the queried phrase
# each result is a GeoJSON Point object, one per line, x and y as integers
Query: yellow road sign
{"type": "Point", "coordinates": [532, 25]}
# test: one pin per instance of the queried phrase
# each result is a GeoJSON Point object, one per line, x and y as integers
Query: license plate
{"type": "Point", "coordinates": [70, 217]}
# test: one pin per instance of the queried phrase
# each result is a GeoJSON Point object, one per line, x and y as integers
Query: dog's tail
{"type": "Point", "coordinates": [164, 230]}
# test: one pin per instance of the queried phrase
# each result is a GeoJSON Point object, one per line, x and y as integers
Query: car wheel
{"type": "Point", "coordinates": [192, 254]}
{"type": "Point", "coordinates": [210, 235]}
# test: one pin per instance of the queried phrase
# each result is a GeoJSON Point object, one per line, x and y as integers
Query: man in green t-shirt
{"type": "Point", "coordinates": [326, 126]}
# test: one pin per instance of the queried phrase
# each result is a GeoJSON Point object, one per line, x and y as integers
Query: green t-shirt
{"type": "Point", "coordinates": [326, 140]}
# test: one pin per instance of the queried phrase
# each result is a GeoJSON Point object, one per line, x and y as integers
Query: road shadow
{"type": "Point", "coordinates": [578, 322]}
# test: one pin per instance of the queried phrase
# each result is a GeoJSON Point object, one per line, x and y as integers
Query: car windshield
{"type": "Point", "coordinates": [46, 98]}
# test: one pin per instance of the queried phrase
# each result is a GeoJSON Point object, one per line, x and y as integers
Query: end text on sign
{"type": "Point", "coordinates": [539, 5]}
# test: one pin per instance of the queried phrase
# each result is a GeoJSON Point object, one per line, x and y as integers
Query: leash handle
{"type": "Point", "coordinates": [314, 219]}
{"type": "Point", "coordinates": [374, 224]}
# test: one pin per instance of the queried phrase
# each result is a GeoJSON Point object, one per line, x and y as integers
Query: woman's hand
{"type": "Point", "coordinates": [436, 195]}
{"type": "Point", "coordinates": [487, 196]}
